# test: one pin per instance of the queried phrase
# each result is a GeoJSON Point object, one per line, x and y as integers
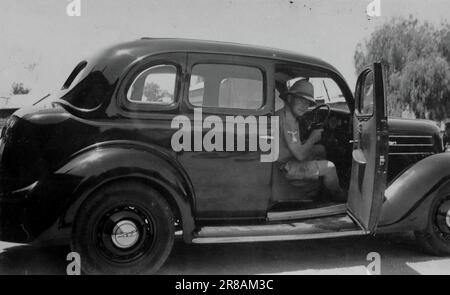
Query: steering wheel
{"type": "Point", "coordinates": [312, 120]}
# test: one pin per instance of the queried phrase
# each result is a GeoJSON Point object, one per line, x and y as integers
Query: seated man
{"type": "Point", "coordinates": [304, 161]}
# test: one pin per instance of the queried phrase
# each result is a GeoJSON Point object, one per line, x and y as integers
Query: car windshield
{"type": "Point", "coordinates": [325, 89]}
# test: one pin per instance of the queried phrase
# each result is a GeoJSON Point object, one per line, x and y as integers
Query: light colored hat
{"type": "Point", "coordinates": [302, 89]}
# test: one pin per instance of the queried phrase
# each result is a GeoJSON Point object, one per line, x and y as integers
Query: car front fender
{"type": "Point", "coordinates": [406, 198]}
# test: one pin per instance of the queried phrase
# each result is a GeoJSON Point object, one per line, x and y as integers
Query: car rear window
{"type": "Point", "coordinates": [86, 87]}
{"type": "Point", "coordinates": [74, 74]}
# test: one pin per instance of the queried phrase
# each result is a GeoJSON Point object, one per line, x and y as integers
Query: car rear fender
{"type": "Point", "coordinates": [102, 163]}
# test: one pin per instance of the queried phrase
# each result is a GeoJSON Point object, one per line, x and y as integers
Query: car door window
{"type": "Point", "coordinates": [366, 99]}
{"type": "Point", "coordinates": [226, 86]}
{"type": "Point", "coordinates": [155, 85]}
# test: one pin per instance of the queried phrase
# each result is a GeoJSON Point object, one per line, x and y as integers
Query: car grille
{"type": "Point", "coordinates": [411, 145]}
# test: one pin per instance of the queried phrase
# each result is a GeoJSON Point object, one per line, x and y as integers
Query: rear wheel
{"type": "Point", "coordinates": [124, 228]}
{"type": "Point", "coordinates": [435, 239]}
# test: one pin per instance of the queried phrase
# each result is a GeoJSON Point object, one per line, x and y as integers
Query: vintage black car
{"type": "Point", "coordinates": [94, 165]}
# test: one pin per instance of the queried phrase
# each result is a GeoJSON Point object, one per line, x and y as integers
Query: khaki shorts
{"type": "Point", "coordinates": [300, 170]}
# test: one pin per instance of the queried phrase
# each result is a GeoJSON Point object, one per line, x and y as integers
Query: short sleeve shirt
{"type": "Point", "coordinates": [289, 133]}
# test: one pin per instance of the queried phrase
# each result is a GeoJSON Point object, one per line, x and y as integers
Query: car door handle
{"type": "Point", "coordinates": [359, 157]}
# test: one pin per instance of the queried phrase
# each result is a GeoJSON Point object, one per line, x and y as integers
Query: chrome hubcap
{"type": "Point", "coordinates": [125, 234]}
{"type": "Point", "coordinates": [447, 218]}
{"type": "Point", "coordinates": [442, 219]}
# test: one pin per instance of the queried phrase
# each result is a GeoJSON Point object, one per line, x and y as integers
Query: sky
{"type": "Point", "coordinates": [40, 43]}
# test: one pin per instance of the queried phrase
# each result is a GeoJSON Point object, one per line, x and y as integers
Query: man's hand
{"type": "Point", "coordinates": [315, 136]}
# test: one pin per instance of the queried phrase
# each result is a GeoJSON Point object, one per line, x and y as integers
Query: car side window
{"type": "Point", "coordinates": [366, 96]}
{"type": "Point", "coordinates": [326, 90]}
{"type": "Point", "coordinates": [226, 86]}
{"type": "Point", "coordinates": [155, 85]}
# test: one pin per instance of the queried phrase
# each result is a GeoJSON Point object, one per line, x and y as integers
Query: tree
{"type": "Point", "coordinates": [18, 88]}
{"type": "Point", "coordinates": [417, 59]}
{"type": "Point", "coordinates": [154, 93]}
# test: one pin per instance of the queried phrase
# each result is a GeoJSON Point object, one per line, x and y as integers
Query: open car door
{"type": "Point", "coordinates": [370, 149]}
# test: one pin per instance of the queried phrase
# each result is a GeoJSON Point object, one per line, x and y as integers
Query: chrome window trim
{"type": "Point", "coordinates": [411, 136]}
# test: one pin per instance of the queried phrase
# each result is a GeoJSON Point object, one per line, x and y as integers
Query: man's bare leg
{"type": "Point", "coordinates": [327, 170]}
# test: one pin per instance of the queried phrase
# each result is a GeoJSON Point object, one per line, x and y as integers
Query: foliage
{"type": "Point", "coordinates": [18, 88]}
{"type": "Point", "coordinates": [153, 92]}
{"type": "Point", "coordinates": [417, 60]}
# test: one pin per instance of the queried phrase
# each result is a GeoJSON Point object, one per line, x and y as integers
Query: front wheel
{"type": "Point", "coordinates": [124, 228]}
{"type": "Point", "coordinates": [435, 239]}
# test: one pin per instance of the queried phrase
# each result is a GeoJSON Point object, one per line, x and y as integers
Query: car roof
{"type": "Point", "coordinates": [111, 65]}
{"type": "Point", "coordinates": [143, 47]}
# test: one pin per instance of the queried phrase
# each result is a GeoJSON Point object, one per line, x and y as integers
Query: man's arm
{"type": "Point", "coordinates": [298, 150]}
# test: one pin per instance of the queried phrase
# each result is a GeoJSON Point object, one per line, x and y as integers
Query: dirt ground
{"type": "Point", "coordinates": [399, 255]}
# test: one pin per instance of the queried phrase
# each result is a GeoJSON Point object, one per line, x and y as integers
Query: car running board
{"type": "Point", "coordinates": [325, 227]}
{"type": "Point", "coordinates": [309, 213]}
